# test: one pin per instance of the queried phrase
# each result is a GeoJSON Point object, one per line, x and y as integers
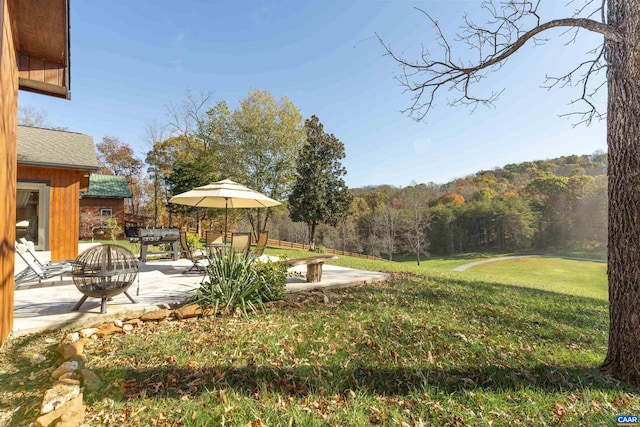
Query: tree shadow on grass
{"type": "Point", "coordinates": [176, 382]}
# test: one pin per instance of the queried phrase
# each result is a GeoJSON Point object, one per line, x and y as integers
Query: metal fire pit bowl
{"type": "Point", "coordinates": [104, 271]}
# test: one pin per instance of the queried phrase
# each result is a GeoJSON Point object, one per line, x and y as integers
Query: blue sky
{"type": "Point", "coordinates": [130, 59]}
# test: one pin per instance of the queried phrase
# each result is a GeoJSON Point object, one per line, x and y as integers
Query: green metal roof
{"type": "Point", "coordinates": [108, 186]}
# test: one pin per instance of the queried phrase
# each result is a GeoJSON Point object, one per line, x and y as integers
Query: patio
{"type": "Point", "coordinates": [159, 284]}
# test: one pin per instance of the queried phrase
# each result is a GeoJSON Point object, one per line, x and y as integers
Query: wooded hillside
{"type": "Point", "coordinates": [555, 203]}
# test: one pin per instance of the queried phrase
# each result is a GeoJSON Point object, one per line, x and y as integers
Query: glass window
{"type": "Point", "coordinates": [32, 213]}
{"type": "Point", "coordinates": [105, 215]}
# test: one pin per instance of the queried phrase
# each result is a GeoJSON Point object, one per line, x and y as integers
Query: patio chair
{"type": "Point", "coordinates": [31, 250]}
{"type": "Point", "coordinates": [35, 272]}
{"type": "Point", "coordinates": [198, 259]}
{"type": "Point", "coordinates": [260, 244]}
{"type": "Point", "coordinates": [213, 237]}
{"type": "Point", "coordinates": [241, 243]}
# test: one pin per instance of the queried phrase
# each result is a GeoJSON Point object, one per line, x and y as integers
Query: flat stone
{"type": "Point", "coordinates": [109, 329]}
{"type": "Point", "coordinates": [59, 394]}
{"type": "Point", "coordinates": [155, 315]}
{"type": "Point", "coordinates": [71, 406]}
{"type": "Point", "coordinates": [69, 350]}
{"type": "Point", "coordinates": [65, 368]}
{"type": "Point", "coordinates": [191, 310]}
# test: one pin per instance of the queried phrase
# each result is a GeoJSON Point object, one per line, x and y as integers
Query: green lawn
{"type": "Point", "coordinates": [511, 343]}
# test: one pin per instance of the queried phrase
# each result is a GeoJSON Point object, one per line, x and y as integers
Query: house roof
{"type": "Point", "coordinates": [108, 186]}
{"type": "Point", "coordinates": [56, 148]}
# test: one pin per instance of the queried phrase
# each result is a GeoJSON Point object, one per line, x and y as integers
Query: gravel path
{"type": "Point", "coordinates": [484, 261]}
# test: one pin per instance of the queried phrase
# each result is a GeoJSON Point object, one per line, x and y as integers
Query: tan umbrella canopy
{"type": "Point", "coordinates": [225, 194]}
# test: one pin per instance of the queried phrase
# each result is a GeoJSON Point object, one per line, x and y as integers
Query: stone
{"type": "Point", "coordinates": [72, 406]}
{"type": "Point", "coordinates": [80, 359]}
{"type": "Point", "coordinates": [90, 380]}
{"type": "Point", "coordinates": [118, 323]}
{"type": "Point", "coordinates": [127, 327]}
{"type": "Point", "coordinates": [59, 394]}
{"type": "Point", "coordinates": [72, 337]}
{"type": "Point", "coordinates": [109, 329]}
{"type": "Point", "coordinates": [88, 332]}
{"type": "Point", "coordinates": [69, 350]}
{"type": "Point", "coordinates": [37, 358]}
{"type": "Point", "coordinates": [71, 376]}
{"type": "Point", "coordinates": [191, 310]}
{"type": "Point", "coordinates": [66, 367]}
{"type": "Point", "coordinates": [155, 315]}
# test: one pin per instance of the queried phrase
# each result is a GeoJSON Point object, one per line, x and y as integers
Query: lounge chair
{"type": "Point", "coordinates": [198, 259]}
{"type": "Point", "coordinates": [31, 250]}
{"type": "Point", "coordinates": [35, 273]}
{"type": "Point", "coordinates": [241, 243]}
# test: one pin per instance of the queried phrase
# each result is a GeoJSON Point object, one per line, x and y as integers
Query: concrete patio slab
{"type": "Point", "coordinates": [159, 283]}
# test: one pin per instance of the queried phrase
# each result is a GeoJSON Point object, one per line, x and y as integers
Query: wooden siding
{"type": "Point", "coordinates": [94, 204]}
{"type": "Point", "coordinates": [8, 150]}
{"type": "Point", "coordinates": [42, 46]}
{"type": "Point", "coordinates": [64, 207]}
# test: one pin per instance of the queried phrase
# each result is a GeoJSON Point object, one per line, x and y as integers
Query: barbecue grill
{"type": "Point", "coordinates": [104, 271]}
{"type": "Point", "coordinates": [155, 237]}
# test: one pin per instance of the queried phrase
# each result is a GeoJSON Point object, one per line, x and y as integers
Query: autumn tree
{"type": "Point", "coordinates": [319, 193]}
{"type": "Point", "coordinates": [514, 24]}
{"type": "Point", "coordinates": [416, 200]}
{"type": "Point", "coordinates": [118, 158]}
{"type": "Point", "coordinates": [267, 135]}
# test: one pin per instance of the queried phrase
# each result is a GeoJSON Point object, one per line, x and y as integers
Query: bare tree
{"type": "Point", "coordinates": [155, 135]}
{"type": "Point", "coordinates": [189, 119]}
{"type": "Point", "coordinates": [516, 23]}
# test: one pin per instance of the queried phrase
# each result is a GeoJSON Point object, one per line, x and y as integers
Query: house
{"type": "Point", "coordinates": [34, 56]}
{"type": "Point", "coordinates": [104, 200]}
{"type": "Point", "coordinates": [53, 168]}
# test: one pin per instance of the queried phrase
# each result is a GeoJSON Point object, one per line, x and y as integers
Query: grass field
{"type": "Point", "coordinates": [514, 342]}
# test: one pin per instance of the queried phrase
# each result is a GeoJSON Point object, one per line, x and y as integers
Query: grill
{"type": "Point", "coordinates": [156, 237]}
{"type": "Point", "coordinates": [104, 271]}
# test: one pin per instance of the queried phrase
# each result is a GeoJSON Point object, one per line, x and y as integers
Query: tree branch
{"type": "Point", "coordinates": [494, 46]}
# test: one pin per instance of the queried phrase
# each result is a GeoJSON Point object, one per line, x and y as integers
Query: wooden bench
{"type": "Point", "coordinates": [314, 266]}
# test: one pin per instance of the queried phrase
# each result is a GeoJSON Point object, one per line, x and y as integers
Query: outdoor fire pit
{"type": "Point", "coordinates": [104, 271]}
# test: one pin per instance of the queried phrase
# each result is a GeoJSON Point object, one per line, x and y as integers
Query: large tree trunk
{"type": "Point", "coordinates": [623, 138]}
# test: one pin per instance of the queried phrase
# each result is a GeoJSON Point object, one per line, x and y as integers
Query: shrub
{"type": "Point", "coordinates": [273, 276]}
{"type": "Point", "coordinates": [237, 282]}
{"type": "Point", "coordinates": [113, 228]}
{"type": "Point", "coordinates": [193, 241]}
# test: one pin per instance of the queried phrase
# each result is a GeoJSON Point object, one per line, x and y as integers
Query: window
{"type": "Point", "coordinates": [32, 213]}
{"type": "Point", "coordinates": [105, 215]}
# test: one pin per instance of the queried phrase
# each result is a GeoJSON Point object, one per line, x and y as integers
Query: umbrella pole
{"type": "Point", "coordinates": [226, 200]}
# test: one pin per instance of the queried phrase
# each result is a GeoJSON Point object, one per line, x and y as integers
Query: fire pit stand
{"type": "Point", "coordinates": [104, 271]}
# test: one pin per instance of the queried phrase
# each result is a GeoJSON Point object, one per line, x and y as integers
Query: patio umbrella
{"type": "Point", "coordinates": [225, 194]}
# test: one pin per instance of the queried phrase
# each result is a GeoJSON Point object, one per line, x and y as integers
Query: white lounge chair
{"type": "Point", "coordinates": [36, 273]}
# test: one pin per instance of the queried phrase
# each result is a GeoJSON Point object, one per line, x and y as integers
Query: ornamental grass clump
{"type": "Point", "coordinates": [237, 282]}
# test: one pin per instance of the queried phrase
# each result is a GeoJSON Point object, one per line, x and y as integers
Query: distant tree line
{"type": "Point", "coordinates": [557, 203]}
{"type": "Point", "coordinates": [266, 145]}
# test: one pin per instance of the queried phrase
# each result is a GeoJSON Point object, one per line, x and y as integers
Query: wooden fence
{"type": "Point", "coordinates": [300, 246]}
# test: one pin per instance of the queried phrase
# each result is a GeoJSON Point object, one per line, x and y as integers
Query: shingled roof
{"type": "Point", "coordinates": [108, 186]}
{"type": "Point", "coordinates": [56, 148]}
